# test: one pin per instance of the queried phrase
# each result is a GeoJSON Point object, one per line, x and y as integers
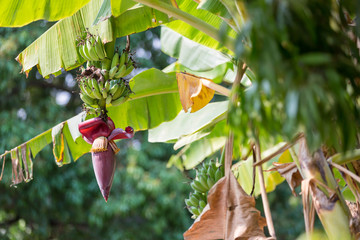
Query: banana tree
{"type": "Point", "coordinates": [283, 82]}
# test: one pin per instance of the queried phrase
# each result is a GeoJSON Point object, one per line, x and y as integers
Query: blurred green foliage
{"type": "Point", "coordinates": [304, 56]}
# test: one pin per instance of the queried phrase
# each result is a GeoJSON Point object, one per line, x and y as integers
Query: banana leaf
{"type": "Point", "coordinates": [17, 13]}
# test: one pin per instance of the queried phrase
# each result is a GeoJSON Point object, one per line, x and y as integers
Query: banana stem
{"type": "Point", "coordinates": [223, 90]}
{"type": "Point", "coordinates": [264, 198]}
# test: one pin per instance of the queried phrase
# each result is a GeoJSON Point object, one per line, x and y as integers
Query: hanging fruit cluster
{"type": "Point", "coordinates": [101, 82]}
{"type": "Point", "coordinates": [102, 85]}
{"type": "Point", "coordinates": [206, 176]}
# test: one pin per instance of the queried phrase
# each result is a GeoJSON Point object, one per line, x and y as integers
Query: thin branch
{"type": "Point", "coordinates": [346, 171]}
{"type": "Point", "coordinates": [191, 20]}
{"type": "Point", "coordinates": [223, 90]}
{"type": "Point", "coordinates": [264, 198]}
{"type": "Point", "coordinates": [281, 150]}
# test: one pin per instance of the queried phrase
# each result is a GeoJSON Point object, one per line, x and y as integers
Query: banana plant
{"type": "Point", "coordinates": [282, 84]}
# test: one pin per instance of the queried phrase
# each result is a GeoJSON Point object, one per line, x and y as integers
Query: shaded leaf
{"type": "Point", "coordinates": [17, 13]}
{"type": "Point", "coordinates": [17, 175]}
{"type": "Point", "coordinates": [229, 214]}
{"type": "Point", "coordinates": [60, 146]}
{"type": "Point", "coordinates": [193, 94]}
{"type": "Point", "coordinates": [27, 162]}
{"type": "Point", "coordinates": [244, 171]}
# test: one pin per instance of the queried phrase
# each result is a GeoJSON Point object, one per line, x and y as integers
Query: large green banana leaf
{"type": "Point", "coordinates": [189, 53]}
{"type": "Point", "coordinates": [155, 100]}
{"type": "Point", "coordinates": [56, 48]}
{"type": "Point", "coordinates": [194, 34]}
{"type": "Point", "coordinates": [17, 13]}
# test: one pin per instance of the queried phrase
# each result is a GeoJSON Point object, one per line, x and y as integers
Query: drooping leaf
{"type": "Point", "coordinates": [189, 53]}
{"type": "Point", "coordinates": [187, 123]}
{"type": "Point", "coordinates": [290, 172]}
{"type": "Point", "coordinates": [27, 162]}
{"type": "Point", "coordinates": [118, 7]}
{"type": "Point", "coordinates": [193, 94]}
{"type": "Point", "coordinates": [37, 143]}
{"type": "Point", "coordinates": [17, 13]}
{"type": "Point", "coordinates": [230, 214]}
{"type": "Point", "coordinates": [17, 171]}
{"type": "Point", "coordinates": [60, 146]}
{"type": "Point", "coordinates": [56, 48]}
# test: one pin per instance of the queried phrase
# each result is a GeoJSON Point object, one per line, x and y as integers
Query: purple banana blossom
{"type": "Point", "coordinates": [101, 134]}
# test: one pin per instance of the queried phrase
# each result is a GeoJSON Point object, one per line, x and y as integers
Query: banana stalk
{"type": "Point", "coordinates": [328, 201]}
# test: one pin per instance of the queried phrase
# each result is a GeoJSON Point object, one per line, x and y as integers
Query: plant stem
{"type": "Point", "coordinates": [191, 20]}
{"type": "Point", "coordinates": [328, 200]}
{"type": "Point", "coordinates": [223, 90]}
{"type": "Point", "coordinates": [264, 198]}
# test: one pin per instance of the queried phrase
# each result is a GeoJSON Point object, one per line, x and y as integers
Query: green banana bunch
{"type": "Point", "coordinates": [121, 66]}
{"type": "Point", "coordinates": [206, 176]}
{"type": "Point", "coordinates": [92, 48]}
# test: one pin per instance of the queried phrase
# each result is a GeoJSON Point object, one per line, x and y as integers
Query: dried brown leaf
{"type": "Point", "coordinates": [193, 94]}
{"type": "Point", "coordinates": [229, 214]}
{"type": "Point", "coordinates": [290, 172]}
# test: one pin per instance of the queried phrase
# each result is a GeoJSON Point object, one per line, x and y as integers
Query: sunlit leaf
{"type": "Point", "coordinates": [56, 48]}
{"type": "Point", "coordinates": [193, 94]}
{"type": "Point", "coordinates": [17, 13]}
{"type": "Point", "coordinates": [189, 53]}
{"type": "Point", "coordinates": [192, 33]}
{"type": "Point", "coordinates": [187, 123]}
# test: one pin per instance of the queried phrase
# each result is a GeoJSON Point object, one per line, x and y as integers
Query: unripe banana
{"type": "Point", "coordinates": [194, 201]}
{"type": "Point", "coordinates": [108, 99]}
{"type": "Point", "coordinates": [119, 101]}
{"type": "Point", "coordinates": [119, 92]}
{"type": "Point", "coordinates": [218, 174]}
{"type": "Point", "coordinates": [123, 59]}
{"type": "Point", "coordinates": [121, 71]}
{"type": "Point", "coordinates": [188, 203]}
{"type": "Point", "coordinates": [198, 187]}
{"type": "Point", "coordinates": [210, 182]}
{"type": "Point", "coordinates": [99, 48]}
{"type": "Point", "coordinates": [104, 93]}
{"type": "Point", "coordinates": [88, 88]}
{"type": "Point", "coordinates": [91, 51]}
{"type": "Point", "coordinates": [115, 60]}
{"type": "Point", "coordinates": [203, 181]}
{"type": "Point", "coordinates": [211, 171]}
{"type": "Point", "coordinates": [113, 89]}
{"type": "Point", "coordinates": [96, 89]}
{"type": "Point", "coordinates": [202, 204]}
{"type": "Point", "coordinates": [85, 52]}
{"type": "Point", "coordinates": [113, 71]}
{"type": "Point", "coordinates": [107, 86]}
{"type": "Point", "coordinates": [195, 211]}
{"type": "Point", "coordinates": [86, 99]}
{"type": "Point", "coordinates": [129, 70]}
